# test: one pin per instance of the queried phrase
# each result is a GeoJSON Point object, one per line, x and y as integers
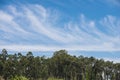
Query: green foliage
{"type": "Point", "coordinates": [19, 78]}
{"type": "Point", "coordinates": [52, 78]}
{"type": "Point", "coordinates": [61, 66]}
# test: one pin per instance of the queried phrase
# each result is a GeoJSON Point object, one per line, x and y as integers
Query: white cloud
{"type": "Point", "coordinates": [36, 23]}
{"type": "Point", "coordinates": [5, 16]}
{"type": "Point", "coordinates": [114, 2]}
{"type": "Point", "coordinates": [112, 24]}
{"type": "Point", "coordinates": [115, 60]}
{"type": "Point", "coordinates": [55, 48]}
{"type": "Point", "coordinates": [108, 2]}
{"type": "Point", "coordinates": [41, 26]}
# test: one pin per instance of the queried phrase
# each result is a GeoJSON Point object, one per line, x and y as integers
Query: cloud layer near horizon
{"type": "Point", "coordinates": [36, 28]}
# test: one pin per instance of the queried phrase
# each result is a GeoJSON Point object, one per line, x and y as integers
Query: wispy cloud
{"type": "Point", "coordinates": [34, 27]}
{"type": "Point", "coordinates": [114, 2]}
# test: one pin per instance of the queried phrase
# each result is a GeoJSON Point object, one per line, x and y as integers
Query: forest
{"type": "Point", "coordinates": [61, 66]}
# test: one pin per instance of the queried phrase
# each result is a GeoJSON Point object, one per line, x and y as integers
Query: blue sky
{"type": "Point", "coordinates": [82, 27]}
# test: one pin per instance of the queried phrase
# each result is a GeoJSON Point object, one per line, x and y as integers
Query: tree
{"type": "Point", "coordinates": [61, 66]}
{"type": "Point", "coordinates": [4, 54]}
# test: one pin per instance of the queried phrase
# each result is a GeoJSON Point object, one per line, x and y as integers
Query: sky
{"type": "Point", "coordinates": [82, 27]}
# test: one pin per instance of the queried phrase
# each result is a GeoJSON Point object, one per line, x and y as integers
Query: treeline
{"type": "Point", "coordinates": [61, 66]}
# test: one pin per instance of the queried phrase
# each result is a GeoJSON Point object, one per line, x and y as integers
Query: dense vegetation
{"type": "Point", "coordinates": [61, 66]}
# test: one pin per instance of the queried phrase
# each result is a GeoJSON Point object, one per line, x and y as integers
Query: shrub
{"type": "Point", "coordinates": [19, 78]}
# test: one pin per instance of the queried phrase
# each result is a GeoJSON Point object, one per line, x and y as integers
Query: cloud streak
{"type": "Point", "coordinates": [109, 2]}
{"type": "Point", "coordinates": [114, 2]}
{"type": "Point", "coordinates": [34, 27]}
